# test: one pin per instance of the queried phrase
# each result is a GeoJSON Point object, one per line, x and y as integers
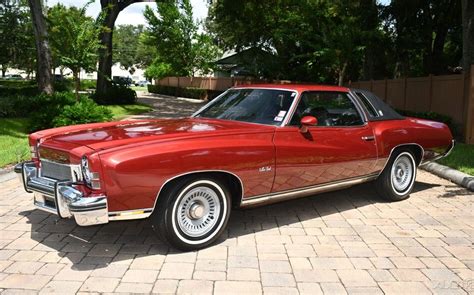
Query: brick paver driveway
{"type": "Point", "coordinates": [346, 241]}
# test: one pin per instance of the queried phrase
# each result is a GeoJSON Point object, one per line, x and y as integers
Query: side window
{"type": "Point", "coordinates": [330, 108]}
{"type": "Point", "coordinates": [367, 105]}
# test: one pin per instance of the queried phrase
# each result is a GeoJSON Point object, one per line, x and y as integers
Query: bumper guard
{"type": "Point", "coordinates": [62, 198]}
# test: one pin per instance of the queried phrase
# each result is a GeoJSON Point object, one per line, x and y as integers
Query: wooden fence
{"type": "Point", "coordinates": [451, 95]}
{"type": "Point", "coordinates": [211, 83]}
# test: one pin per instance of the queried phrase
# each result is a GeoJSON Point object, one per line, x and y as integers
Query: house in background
{"type": "Point", "coordinates": [246, 63]}
{"type": "Point", "coordinates": [138, 75]}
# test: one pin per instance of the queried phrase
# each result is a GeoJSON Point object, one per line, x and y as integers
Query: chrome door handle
{"type": "Point", "coordinates": [368, 138]}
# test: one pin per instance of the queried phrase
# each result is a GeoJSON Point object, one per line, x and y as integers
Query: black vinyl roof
{"type": "Point", "coordinates": [383, 110]}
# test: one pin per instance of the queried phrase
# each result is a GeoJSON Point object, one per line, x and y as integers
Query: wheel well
{"type": "Point", "coordinates": [233, 183]}
{"type": "Point", "coordinates": [415, 149]}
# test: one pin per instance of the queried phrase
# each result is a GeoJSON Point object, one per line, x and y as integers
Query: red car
{"type": "Point", "coordinates": [252, 145]}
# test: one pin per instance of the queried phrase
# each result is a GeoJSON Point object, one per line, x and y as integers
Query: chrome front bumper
{"type": "Point", "coordinates": [62, 198]}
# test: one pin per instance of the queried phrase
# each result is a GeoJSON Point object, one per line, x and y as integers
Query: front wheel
{"type": "Point", "coordinates": [396, 181]}
{"type": "Point", "coordinates": [193, 213]}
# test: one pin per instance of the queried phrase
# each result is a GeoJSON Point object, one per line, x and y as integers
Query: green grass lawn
{"type": "Point", "coordinates": [140, 88]}
{"type": "Point", "coordinates": [461, 158]}
{"type": "Point", "coordinates": [13, 141]}
{"type": "Point", "coordinates": [121, 111]}
{"type": "Point", "coordinates": [14, 136]}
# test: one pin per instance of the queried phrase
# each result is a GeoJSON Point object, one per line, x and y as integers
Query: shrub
{"type": "Point", "coordinates": [16, 106]}
{"type": "Point", "coordinates": [116, 95]}
{"type": "Point", "coordinates": [25, 90]}
{"type": "Point", "coordinates": [63, 85]}
{"type": "Point", "coordinates": [165, 90]}
{"type": "Point", "coordinates": [26, 106]}
{"type": "Point", "coordinates": [48, 108]}
{"type": "Point", "coordinates": [196, 93]}
{"type": "Point", "coordinates": [81, 112]}
{"type": "Point", "coordinates": [17, 83]}
{"type": "Point", "coordinates": [88, 84]}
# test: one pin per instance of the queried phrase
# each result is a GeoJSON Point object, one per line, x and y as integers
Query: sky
{"type": "Point", "coordinates": [134, 13]}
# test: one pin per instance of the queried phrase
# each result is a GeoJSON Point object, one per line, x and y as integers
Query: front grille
{"type": "Point", "coordinates": [56, 170]}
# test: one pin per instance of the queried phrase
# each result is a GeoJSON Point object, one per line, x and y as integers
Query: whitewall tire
{"type": "Point", "coordinates": [193, 213]}
{"type": "Point", "coordinates": [396, 181]}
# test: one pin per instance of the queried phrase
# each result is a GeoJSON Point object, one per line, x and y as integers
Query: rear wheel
{"type": "Point", "coordinates": [193, 213]}
{"type": "Point", "coordinates": [396, 181]}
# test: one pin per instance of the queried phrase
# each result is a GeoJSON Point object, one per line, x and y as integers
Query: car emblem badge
{"type": "Point", "coordinates": [265, 169]}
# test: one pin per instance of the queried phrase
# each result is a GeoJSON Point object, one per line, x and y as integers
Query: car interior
{"type": "Point", "coordinates": [329, 108]}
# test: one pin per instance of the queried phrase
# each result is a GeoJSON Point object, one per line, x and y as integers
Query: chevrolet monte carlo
{"type": "Point", "coordinates": [252, 145]}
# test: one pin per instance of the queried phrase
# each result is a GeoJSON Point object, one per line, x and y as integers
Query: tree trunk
{"type": "Point", "coordinates": [110, 11]}
{"type": "Point", "coordinates": [342, 73]}
{"type": "Point", "coordinates": [43, 72]}
{"type": "Point", "coordinates": [77, 83]}
{"type": "Point", "coordinates": [4, 70]}
{"type": "Point", "coordinates": [468, 34]}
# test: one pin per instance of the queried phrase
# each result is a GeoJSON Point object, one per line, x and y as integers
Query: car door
{"type": "Point", "coordinates": [341, 146]}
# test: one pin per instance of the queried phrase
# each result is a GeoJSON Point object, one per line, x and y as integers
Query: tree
{"type": "Point", "coordinates": [421, 30]}
{"type": "Point", "coordinates": [126, 42]}
{"type": "Point", "coordinates": [468, 34]}
{"type": "Point", "coordinates": [312, 40]}
{"type": "Point", "coordinates": [181, 50]}
{"type": "Point", "coordinates": [74, 40]}
{"type": "Point", "coordinates": [16, 33]}
{"type": "Point", "coordinates": [332, 41]}
{"type": "Point", "coordinates": [110, 10]}
{"type": "Point", "coordinates": [40, 28]}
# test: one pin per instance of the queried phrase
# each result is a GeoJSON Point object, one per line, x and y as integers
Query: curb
{"type": "Point", "coordinates": [458, 177]}
{"type": "Point", "coordinates": [5, 176]}
{"type": "Point", "coordinates": [7, 170]}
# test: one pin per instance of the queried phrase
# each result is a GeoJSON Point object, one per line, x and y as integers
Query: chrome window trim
{"type": "Point", "coordinates": [195, 172]}
{"type": "Point", "coordinates": [283, 123]}
{"type": "Point", "coordinates": [362, 114]}
{"type": "Point", "coordinates": [369, 102]}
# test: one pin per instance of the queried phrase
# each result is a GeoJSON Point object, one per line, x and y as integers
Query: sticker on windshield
{"type": "Point", "coordinates": [281, 114]}
{"type": "Point", "coordinates": [293, 94]}
{"type": "Point", "coordinates": [278, 119]}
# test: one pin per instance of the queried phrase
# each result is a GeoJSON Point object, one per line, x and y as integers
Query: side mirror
{"type": "Point", "coordinates": [307, 121]}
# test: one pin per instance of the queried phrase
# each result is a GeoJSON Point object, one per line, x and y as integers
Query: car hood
{"type": "Point", "coordinates": [122, 133]}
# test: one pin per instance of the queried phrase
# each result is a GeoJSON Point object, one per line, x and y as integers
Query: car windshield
{"type": "Point", "coordinates": [263, 106]}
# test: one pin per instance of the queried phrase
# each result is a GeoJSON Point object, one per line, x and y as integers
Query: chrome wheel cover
{"type": "Point", "coordinates": [402, 173]}
{"type": "Point", "coordinates": [198, 211]}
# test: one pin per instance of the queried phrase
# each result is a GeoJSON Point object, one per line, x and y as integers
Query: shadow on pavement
{"type": "Point", "coordinates": [93, 247]}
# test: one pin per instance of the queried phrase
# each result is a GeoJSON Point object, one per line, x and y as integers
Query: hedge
{"type": "Point", "coordinates": [189, 92]}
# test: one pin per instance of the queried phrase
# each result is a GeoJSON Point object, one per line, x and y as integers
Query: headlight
{"type": "Point", "coordinates": [86, 173]}
{"type": "Point", "coordinates": [90, 178]}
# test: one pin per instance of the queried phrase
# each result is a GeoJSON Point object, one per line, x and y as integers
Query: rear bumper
{"type": "Point", "coordinates": [62, 198]}
{"type": "Point", "coordinates": [442, 155]}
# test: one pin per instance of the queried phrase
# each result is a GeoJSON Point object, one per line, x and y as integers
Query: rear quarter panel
{"type": "Point", "coordinates": [133, 176]}
{"type": "Point", "coordinates": [434, 137]}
